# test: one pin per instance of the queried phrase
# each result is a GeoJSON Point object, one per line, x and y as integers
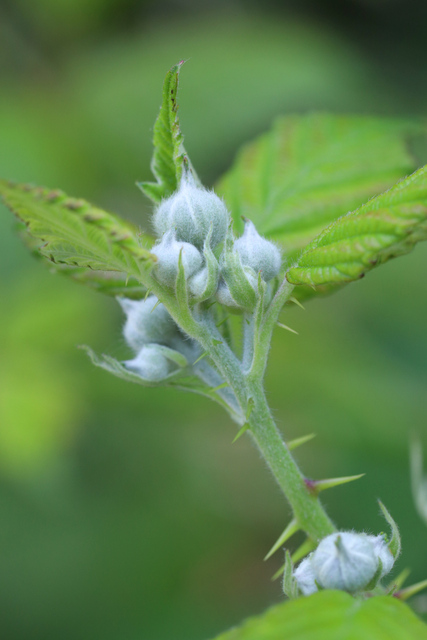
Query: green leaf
{"type": "Point", "coordinates": [333, 615]}
{"type": "Point", "coordinates": [110, 283]}
{"type": "Point", "coordinates": [309, 170]}
{"type": "Point", "coordinates": [75, 233]}
{"type": "Point", "coordinates": [169, 156]}
{"type": "Point", "coordinates": [387, 226]}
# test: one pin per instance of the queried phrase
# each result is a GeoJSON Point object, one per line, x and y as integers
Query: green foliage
{"type": "Point", "coordinates": [309, 170]}
{"type": "Point", "coordinates": [387, 226]}
{"type": "Point", "coordinates": [292, 183]}
{"type": "Point", "coordinates": [75, 233]}
{"type": "Point", "coordinates": [333, 615]}
{"type": "Point", "coordinates": [169, 156]}
{"type": "Point", "coordinates": [110, 283]}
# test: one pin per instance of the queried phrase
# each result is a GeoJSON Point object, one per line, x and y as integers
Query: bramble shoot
{"type": "Point", "coordinates": [307, 208]}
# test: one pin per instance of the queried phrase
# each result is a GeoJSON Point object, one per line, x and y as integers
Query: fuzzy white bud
{"type": "Point", "coordinates": [150, 363]}
{"type": "Point", "coordinates": [197, 283]}
{"type": "Point", "coordinates": [191, 212]}
{"type": "Point", "coordinates": [345, 561]}
{"type": "Point", "coordinates": [223, 294]}
{"type": "Point", "coordinates": [168, 251]}
{"type": "Point", "coordinates": [258, 253]}
{"type": "Point", "coordinates": [146, 322]}
{"type": "Point", "coordinates": [382, 552]}
{"type": "Point", "coordinates": [305, 577]}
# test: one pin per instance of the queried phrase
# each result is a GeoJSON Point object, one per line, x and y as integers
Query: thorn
{"type": "Point", "coordinates": [156, 305]}
{"type": "Point", "coordinates": [147, 294]}
{"type": "Point", "coordinates": [405, 594]}
{"type": "Point", "coordinates": [316, 486]}
{"type": "Point", "coordinates": [127, 280]}
{"type": "Point", "coordinates": [200, 357]}
{"type": "Point", "coordinates": [297, 302]}
{"type": "Point", "coordinates": [284, 326]}
{"type": "Point", "coordinates": [307, 546]}
{"type": "Point", "coordinates": [241, 432]}
{"type": "Point", "coordinates": [222, 321]}
{"type": "Point", "coordinates": [398, 582]}
{"type": "Point", "coordinates": [217, 342]}
{"type": "Point", "coordinates": [297, 442]}
{"type": "Point", "coordinates": [302, 551]}
{"type": "Point", "coordinates": [292, 528]}
{"type": "Point", "coordinates": [211, 305]}
{"type": "Point", "coordinates": [220, 386]}
{"type": "Point", "coordinates": [278, 573]}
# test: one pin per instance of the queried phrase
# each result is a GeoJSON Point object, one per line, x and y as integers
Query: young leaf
{"type": "Point", "coordinates": [309, 170]}
{"type": "Point", "coordinates": [169, 156]}
{"type": "Point", "coordinates": [111, 283]}
{"type": "Point", "coordinates": [75, 233]}
{"type": "Point", "coordinates": [333, 615]}
{"type": "Point", "coordinates": [387, 226]}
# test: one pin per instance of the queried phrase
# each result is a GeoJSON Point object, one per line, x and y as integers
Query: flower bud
{"type": "Point", "coordinates": [150, 363]}
{"type": "Point", "coordinates": [168, 252]}
{"type": "Point", "coordinates": [197, 283]}
{"type": "Point", "coordinates": [345, 561]}
{"type": "Point", "coordinates": [305, 577]}
{"type": "Point", "coordinates": [258, 253]}
{"type": "Point", "coordinates": [191, 212]}
{"type": "Point", "coordinates": [244, 285]}
{"type": "Point", "coordinates": [382, 552]}
{"type": "Point", "coordinates": [146, 322]}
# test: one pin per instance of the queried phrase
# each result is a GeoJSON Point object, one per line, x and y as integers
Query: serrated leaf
{"type": "Point", "coordinates": [110, 283]}
{"type": "Point", "coordinates": [333, 615]}
{"type": "Point", "coordinates": [309, 170]}
{"type": "Point", "coordinates": [75, 233]}
{"type": "Point", "coordinates": [387, 226]}
{"type": "Point", "coordinates": [169, 156]}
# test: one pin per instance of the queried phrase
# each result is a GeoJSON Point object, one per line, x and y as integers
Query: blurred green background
{"type": "Point", "coordinates": [125, 512]}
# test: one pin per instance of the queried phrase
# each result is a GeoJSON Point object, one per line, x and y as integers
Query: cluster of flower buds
{"type": "Point", "coordinates": [154, 338]}
{"type": "Point", "coordinates": [194, 231]}
{"type": "Point", "coordinates": [347, 561]}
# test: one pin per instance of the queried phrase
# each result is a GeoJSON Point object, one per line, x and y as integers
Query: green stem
{"type": "Point", "coordinates": [246, 384]}
{"type": "Point", "coordinates": [307, 509]}
{"type": "Point", "coordinates": [265, 331]}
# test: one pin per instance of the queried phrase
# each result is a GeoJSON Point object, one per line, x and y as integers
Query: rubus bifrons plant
{"type": "Point", "coordinates": [285, 224]}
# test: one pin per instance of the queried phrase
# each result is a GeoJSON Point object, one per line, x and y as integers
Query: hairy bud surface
{"type": "Point", "coordinates": [150, 363]}
{"type": "Point", "coordinates": [146, 322]}
{"type": "Point", "coordinates": [168, 252]}
{"type": "Point", "coordinates": [345, 561]}
{"type": "Point", "coordinates": [258, 253]}
{"type": "Point", "coordinates": [191, 212]}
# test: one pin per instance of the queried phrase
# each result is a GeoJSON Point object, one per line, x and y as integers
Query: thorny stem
{"type": "Point", "coordinates": [245, 379]}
